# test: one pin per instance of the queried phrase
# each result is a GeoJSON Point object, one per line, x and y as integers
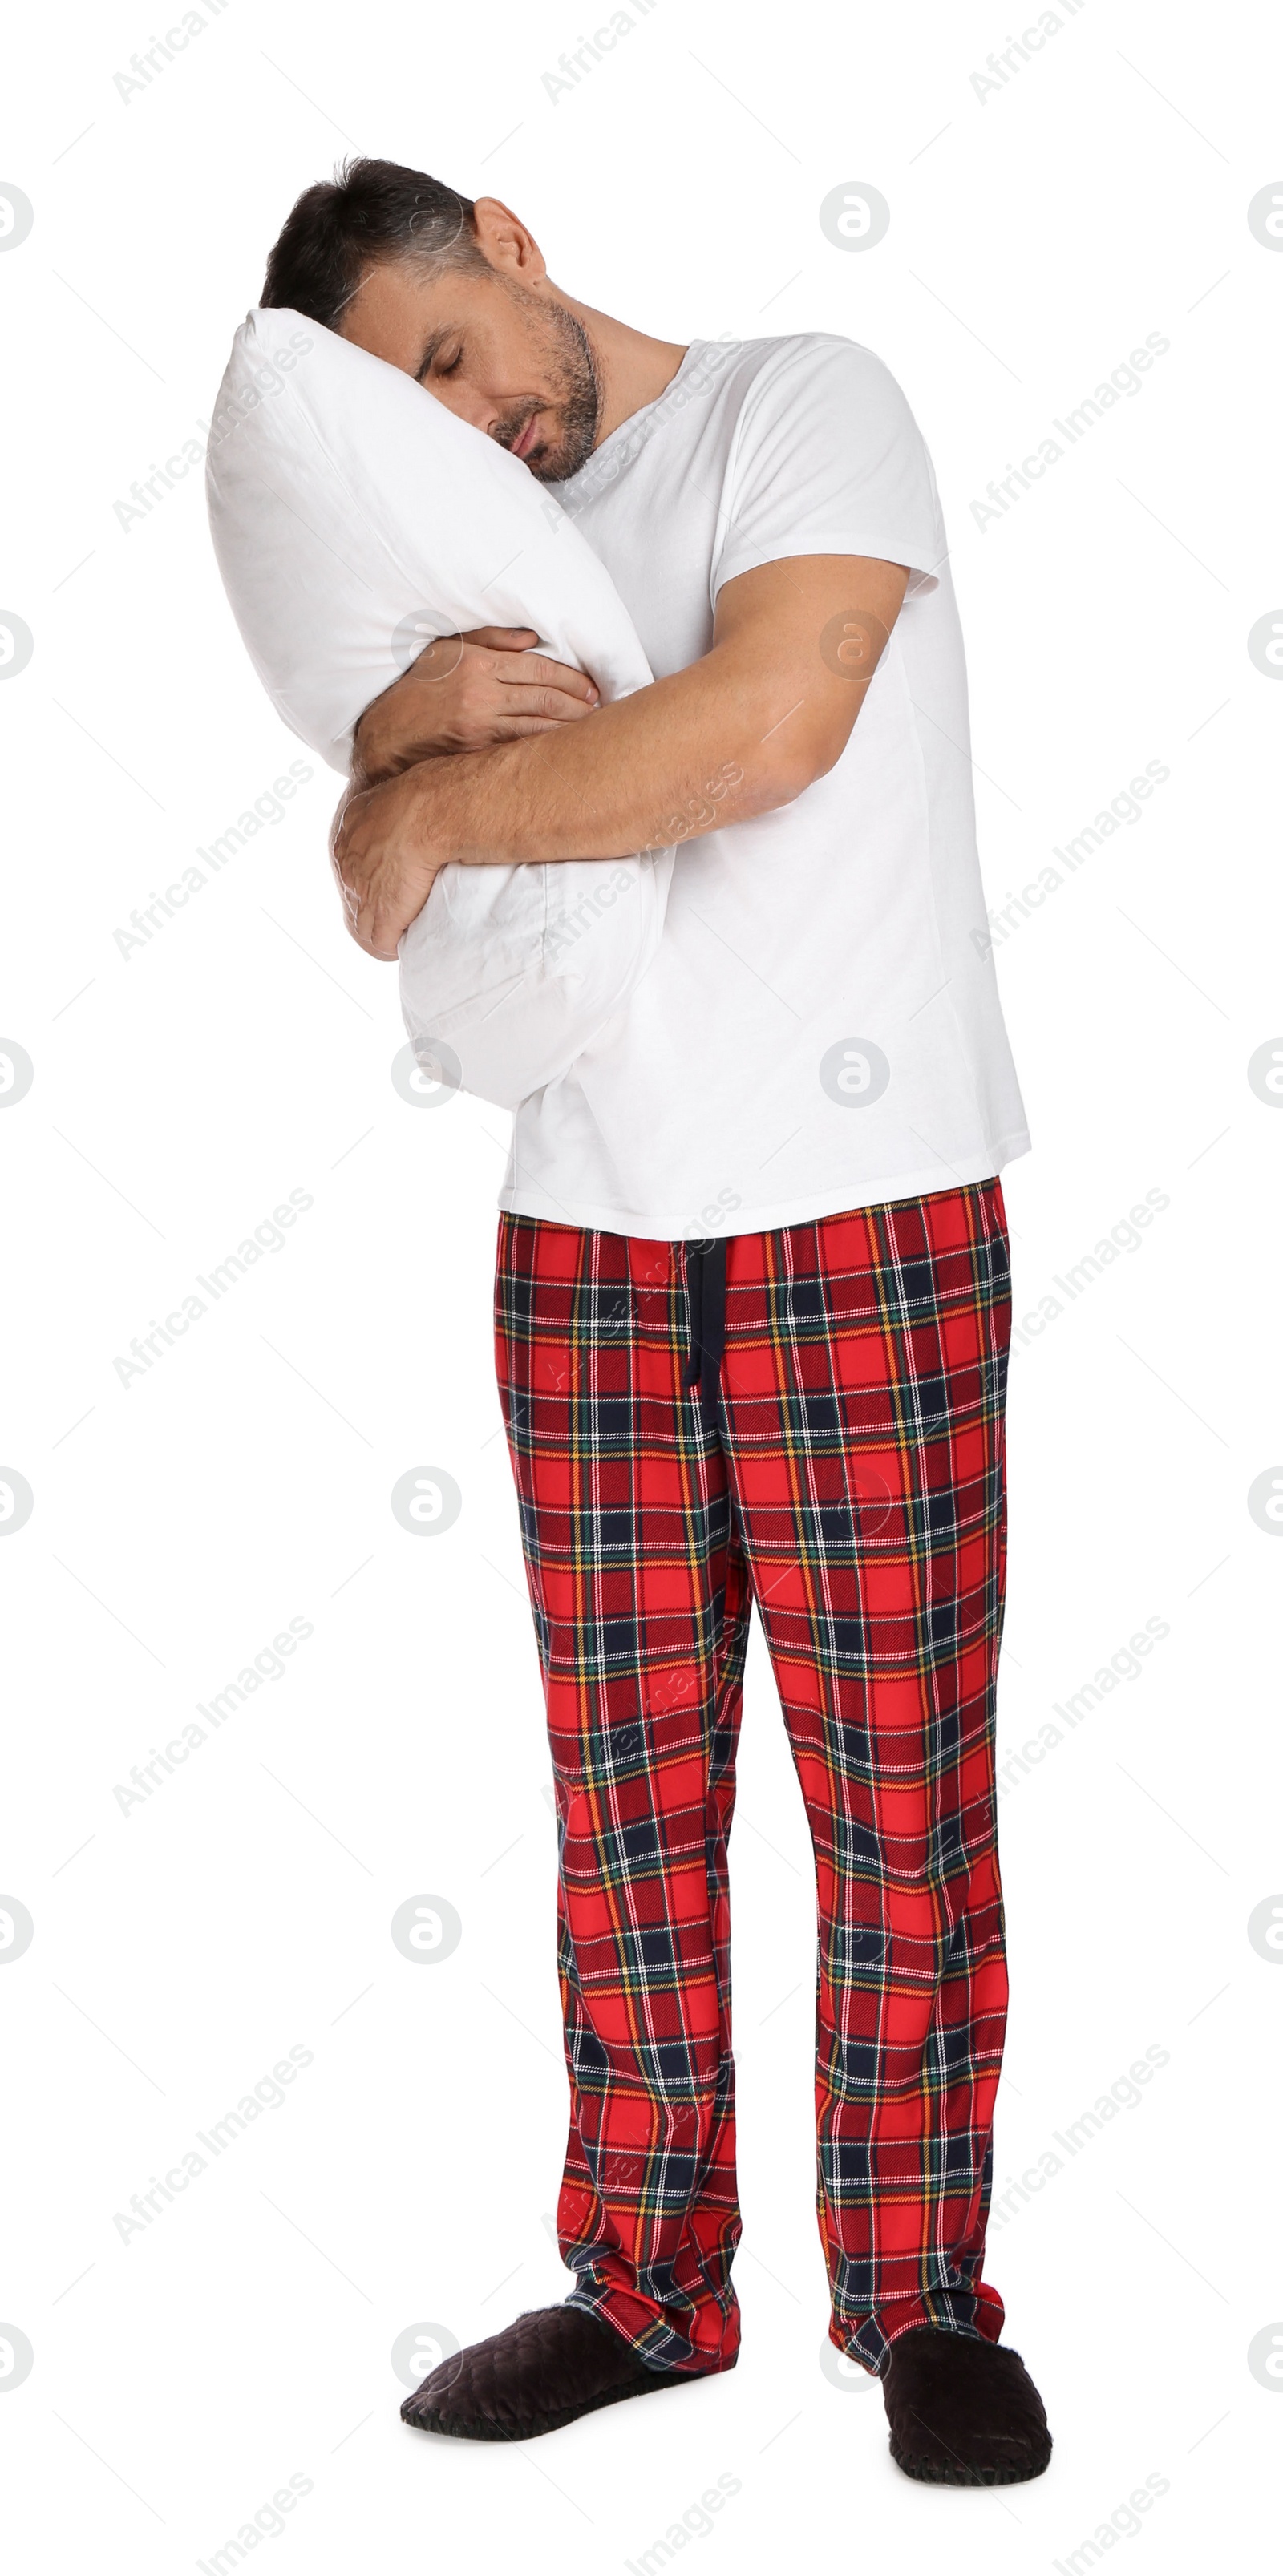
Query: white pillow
{"type": "Point", "coordinates": [354, 518]}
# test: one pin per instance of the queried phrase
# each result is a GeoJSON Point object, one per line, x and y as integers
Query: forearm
{"type": "Point", "coordinates": [744, 730]}
{"type": "Point", "coordinates": [706, 746]}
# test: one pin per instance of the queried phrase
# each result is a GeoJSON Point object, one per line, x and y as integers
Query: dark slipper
{"type": "Point", "coordinates": [963, 2413]}
{"type": "Point", "coordinates": [545, 2369]}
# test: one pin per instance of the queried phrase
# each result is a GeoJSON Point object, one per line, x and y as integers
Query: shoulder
{"type": "Point", "coordinates": [811, 387]}
{"type": "Point", "coordinates": [804, 358]}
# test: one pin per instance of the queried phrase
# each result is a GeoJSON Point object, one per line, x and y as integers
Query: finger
{"type": "Point", "coordinates": [539, 671]}
{"type": "Point", "coordinates": [502, 639]}
{"type": "Point", "coordinates": [512, 728]}
{"type": "Point", "coordinates": [553, 705]}
{"type": "Point", "coordinates": [385, 924]}
{"type": "Point", "coordinates": [349, 895]}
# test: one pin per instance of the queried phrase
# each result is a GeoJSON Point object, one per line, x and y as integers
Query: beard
{"type": "Point", "coordinates": [575, 393]}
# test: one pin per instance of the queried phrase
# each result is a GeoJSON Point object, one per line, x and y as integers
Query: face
{"type": "Point", "coordinates": [508, 357]}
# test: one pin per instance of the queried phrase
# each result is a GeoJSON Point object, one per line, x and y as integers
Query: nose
{"type": "Point", "coordinates": [466, 402]}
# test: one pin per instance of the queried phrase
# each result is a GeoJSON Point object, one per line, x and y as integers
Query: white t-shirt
{"type": "Point", "coordinates": [819, 1025]}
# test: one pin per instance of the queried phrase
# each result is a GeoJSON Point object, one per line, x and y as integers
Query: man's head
{"type": "Point", "coordinates": [454, 292]}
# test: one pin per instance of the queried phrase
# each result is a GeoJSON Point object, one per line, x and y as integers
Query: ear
{"type": "Point", "coordinates": [507, 245]}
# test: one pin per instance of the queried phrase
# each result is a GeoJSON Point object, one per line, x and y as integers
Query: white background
{"type": "Point", "coordinates": [179, 1522]}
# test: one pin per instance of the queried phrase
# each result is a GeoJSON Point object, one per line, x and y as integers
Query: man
{"type": "Point", "coordinates": [752, 1301]}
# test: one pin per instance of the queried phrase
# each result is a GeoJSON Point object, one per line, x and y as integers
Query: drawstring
{"type": "Point", "coordinates": [706, 1294]}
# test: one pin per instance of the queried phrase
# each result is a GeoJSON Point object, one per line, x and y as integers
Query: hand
{"type": "Point", "coordinates": [381, 851]}
{"type": "Point", "coordinates": [464, 693]}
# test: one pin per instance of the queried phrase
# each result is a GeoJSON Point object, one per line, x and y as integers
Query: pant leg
{"type": "Point", "coordinates": [863, 1389]}
{"type": "Point", "coordinates": [640, 1598]}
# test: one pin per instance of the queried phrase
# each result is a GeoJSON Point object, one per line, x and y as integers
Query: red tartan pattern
{"type": "Point", "coordinates": [853, 1487]}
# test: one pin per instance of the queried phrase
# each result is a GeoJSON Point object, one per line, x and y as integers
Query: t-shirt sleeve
{"type": "Point", "coordinates": [828, 459]}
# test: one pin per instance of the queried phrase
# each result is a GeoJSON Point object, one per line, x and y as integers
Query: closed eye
{"type": "Point", "coordinates": [430, 363]}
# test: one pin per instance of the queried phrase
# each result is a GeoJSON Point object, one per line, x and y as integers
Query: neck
{"type": "Point", "coordinates": [633, 369]}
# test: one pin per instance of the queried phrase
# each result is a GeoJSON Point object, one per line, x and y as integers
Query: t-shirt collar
{"type": "Point", "coordinates": [627, 429]}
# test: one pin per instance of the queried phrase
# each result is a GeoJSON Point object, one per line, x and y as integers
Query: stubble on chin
{"type": "Point", "coordinates": [578, 403]}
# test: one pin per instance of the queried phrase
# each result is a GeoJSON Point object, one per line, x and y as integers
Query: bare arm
{"type": "Point", "coordinates": [465, 693]}
{"type": "Point", "coordinates": [742, 731]}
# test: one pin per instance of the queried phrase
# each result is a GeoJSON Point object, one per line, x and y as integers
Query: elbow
{"type": "Point", "coordinates": [780, 765]}
{"type": "Point", "coordinates": [776, 778]}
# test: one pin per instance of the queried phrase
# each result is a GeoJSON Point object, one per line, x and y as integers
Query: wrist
{"type": "Point", "coordinates": [434, 814]}
{"type": "Point", "coordinates": [463, 808]}
{"type": "Point", "coordinates": [375, 758]}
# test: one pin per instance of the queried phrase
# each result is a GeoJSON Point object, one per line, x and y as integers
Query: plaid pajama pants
{"type": "Point", "coordinates": [848, 1477]}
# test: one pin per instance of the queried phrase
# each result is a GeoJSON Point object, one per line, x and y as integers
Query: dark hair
{"type": "Point", "coordinates": [370, 210]}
